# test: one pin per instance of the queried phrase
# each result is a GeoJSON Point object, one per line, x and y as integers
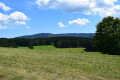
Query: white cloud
{"type": "Point", "coordinates": [61, 24]}
{"type": "Point", "coordinates": [4, 7]}
{"type": "Point", "coordinates": [20, 22]}
{"type": "Point", "coordinates": [113, 11]}
{"type": "Point", "coordinates": [13, 18]}
{"type": "Point", "coordinates": [18, 16]}
{"type": "Point", "coordinates": [28, 27]}
{"type": "Point", "coordinates": [96, 7]}
{"type": "Point", "coordinates": [66, 5]}
{"type": "Point", "coordinates": [3, 27]}
{"type": "Point", "coordinates": [46, 3]}
{"type": "Point", "coordinates": [79, 22]}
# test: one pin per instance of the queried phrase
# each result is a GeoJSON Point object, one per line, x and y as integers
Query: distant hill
{"type": "Point", "coordinates": [46, 35]}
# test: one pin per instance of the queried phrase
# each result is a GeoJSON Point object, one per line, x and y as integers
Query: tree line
{"type": "Point", "coordinates": [58, 42]}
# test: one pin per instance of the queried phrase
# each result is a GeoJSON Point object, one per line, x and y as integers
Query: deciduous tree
{"type": "Point", "coordinates": [107, 37]}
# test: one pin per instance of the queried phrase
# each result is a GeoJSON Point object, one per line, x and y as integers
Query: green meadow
{"type": "Point", "coordinates": [50, 63]}
{"type": "Point", "coordinates": [47, 47]}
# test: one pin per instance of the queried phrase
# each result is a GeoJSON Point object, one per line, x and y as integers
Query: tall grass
{"type": "Point", "coordinates": [57, 64]}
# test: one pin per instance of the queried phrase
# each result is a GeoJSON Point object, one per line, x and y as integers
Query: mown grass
{"type": "Point", "coordinates": [57, 64]}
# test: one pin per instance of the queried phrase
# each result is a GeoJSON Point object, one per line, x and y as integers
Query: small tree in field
{"type": "Point", "coordinates": [14, 45]}
{"type": "Point", "coordinates": [30, 45]}
{"type": "Point", "coordinates": [107, 37]}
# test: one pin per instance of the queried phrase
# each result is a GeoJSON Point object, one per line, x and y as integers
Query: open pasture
{"type": "Point", "coordinates": [49, 63]}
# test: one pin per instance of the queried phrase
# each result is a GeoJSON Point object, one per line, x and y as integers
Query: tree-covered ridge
{"type": "Point", "coordinates": [48, 35]}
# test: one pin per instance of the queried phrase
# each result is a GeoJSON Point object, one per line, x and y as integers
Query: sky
{"type": "Point", "coordinates": [27, 17]}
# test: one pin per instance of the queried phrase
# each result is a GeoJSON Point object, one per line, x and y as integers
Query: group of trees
{"type": "Point", "coordinates": [74, 42]}
{"type": "Point", "coordinates": [107, 37]}
{"type": "Point", "coordinates": [7, 43]}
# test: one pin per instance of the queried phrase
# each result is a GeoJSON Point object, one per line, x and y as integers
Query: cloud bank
{"type": "Point", "coordinates": [96, 7]}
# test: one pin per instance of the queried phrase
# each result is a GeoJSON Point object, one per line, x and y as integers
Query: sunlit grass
{"type": "Point", "coordinates": [57, 64]}
{"type": "Point", "coordinates": [47, 47]}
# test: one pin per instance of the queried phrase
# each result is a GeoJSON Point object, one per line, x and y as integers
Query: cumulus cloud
{"type": "Point", "coordinates": [61, 24]}
{"type": "Point", "coordinates": [47, 3]}
{"type": "Point", "coordinates": [4, 7]}
{"type": "Point", "coordinates": [13, 18]}
{"type": "Point", "coordinates": [66, 5]}
{"type": "Point", "coordinates": [113, 11]}
{"type": "Point", "coordinates": [96, 7]}
{"type": "Point", "coordinates": [3, 27]}
{"type": "Point", "coordinates": [79, 22]}
{"type": "Point", "coordinates": [28, 27]}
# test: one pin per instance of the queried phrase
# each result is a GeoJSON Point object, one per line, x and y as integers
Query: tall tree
{"type": "Point", "coordinates": [107, 37]}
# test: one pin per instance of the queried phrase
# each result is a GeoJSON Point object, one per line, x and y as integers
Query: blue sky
{"type": "Point", "coordinates": [26, 17]}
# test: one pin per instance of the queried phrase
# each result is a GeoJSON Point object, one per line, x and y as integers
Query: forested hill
{"type": "Point", "coordinates": [46, 35]}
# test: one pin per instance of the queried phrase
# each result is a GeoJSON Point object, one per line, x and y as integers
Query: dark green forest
{"type": "Point", "coordinates": [58, 42]}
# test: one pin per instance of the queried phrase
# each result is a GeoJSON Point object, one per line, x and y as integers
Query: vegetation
{"type": "Point", "coordinates": [59, 42]}
{"type": "Point", "coordinates": [48, 35]}
{"type": "Point", "coordinates": [57, 64]}
{"type": "Point", "coordinates": [107, 37]}
{"type": "Point", "coordinates": [30, 45]}
{"type": "Point", "coordinates": [46, 47]}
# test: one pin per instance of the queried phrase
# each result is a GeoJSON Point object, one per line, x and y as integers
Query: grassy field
{"type": "Point", "coordinates": [48, 47]}
{"type": "Point", "coordinates": [49, 63]}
